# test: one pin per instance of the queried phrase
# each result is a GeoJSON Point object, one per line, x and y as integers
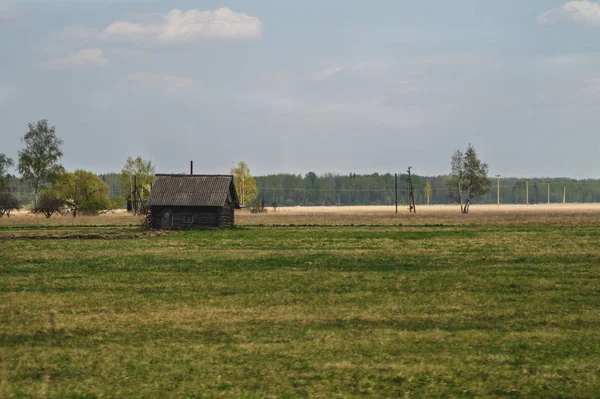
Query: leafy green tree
{"type": "Point", "coordinates": [117, 202]}
{"type": "Point", "coordinates": [39, 160]}
{"type": "Point", "coordinates": [137, 176]}
{"type": "Point", "coordinates": [468, 178]}
{"type": "Point", "coordinates": [244, 183]}
{"type": "Point", "coordinates": [90, 192]}
{"type": "Point", "coordinates": [428, 191]}
{"type": "Point", "coordinates": [5, 163]}
{"type": "Point", "coordinates": [311, 186]}
{"type": "Point", "coordinates": [456, 177]}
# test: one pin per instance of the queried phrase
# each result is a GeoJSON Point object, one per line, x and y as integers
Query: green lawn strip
{"type": "Point", "coordinates": [304, 312]}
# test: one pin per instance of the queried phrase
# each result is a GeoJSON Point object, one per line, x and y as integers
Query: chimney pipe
{"type": "Point", "coordinates": [191, 167]}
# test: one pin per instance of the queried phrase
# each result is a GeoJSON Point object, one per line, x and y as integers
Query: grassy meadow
{"type": "Point", "coordinates": [376, 305]}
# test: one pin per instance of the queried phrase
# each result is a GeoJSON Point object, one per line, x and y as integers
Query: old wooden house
{"type": "Point", "coordinates": [192, 201]}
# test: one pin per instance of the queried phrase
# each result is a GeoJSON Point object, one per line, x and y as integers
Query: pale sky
{"type": "Point", "coordinates": [295, 86]}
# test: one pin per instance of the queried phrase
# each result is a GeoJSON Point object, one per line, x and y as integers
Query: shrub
{"type": "Point", "coordinates": [49, 203]}
{"type": "Point", "coordinates": [258, 206]}
{"type": "Point", "coordinates": [8, 202]}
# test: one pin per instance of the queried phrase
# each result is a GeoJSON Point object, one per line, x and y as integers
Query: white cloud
{"type": "Point", "coordinates": [166, 83]}
{"type": "Point", "coordinates": [176, 26]}
{"type": "Point", "coordinates": [82, 58]}
{"type": "Point", "coordinates": [592, 86]}
{"type": "Point", "coordinates": [574, 11]}
{"type": "Point", "coordinates": [324, 74]}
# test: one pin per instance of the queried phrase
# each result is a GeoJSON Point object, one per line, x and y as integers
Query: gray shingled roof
{"type": "Point", "coordinates": [191, 190]}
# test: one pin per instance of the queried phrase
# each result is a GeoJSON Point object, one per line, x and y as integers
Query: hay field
{"type": "Point", "coordinates": [305, 304]}
{"type": "Point", "coordinates": [342, 215]}
{"type": "Point", "coordinates": [25, 218]}
{"type": "Point", "coordinates": [434, 214]}
{"type": "Point", "coordinates": [427, 209]}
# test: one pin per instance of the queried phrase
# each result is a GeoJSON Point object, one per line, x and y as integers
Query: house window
{"type": "Point", "coordinates": [188, 218]}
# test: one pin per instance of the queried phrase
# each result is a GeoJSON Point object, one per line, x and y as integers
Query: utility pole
{"type": "Point", "coordinates": [411, 193]}
{"type": "Point", "coordinates": [498, 189]}
{"type": "Point", "coordinates": [76, 199]}
{"type": "Point", "coordinates": [396, 190]}
{"type": "Point", "coordinates": [564, 193]}
{"type": "Point", "coordinates": [134, 194]}
{"type": "Point", "coordinates": [243, 183]}
{"type": "Point", "coordinates": [527, 192]}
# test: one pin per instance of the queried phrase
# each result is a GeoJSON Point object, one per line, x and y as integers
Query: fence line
{"type": "Point", "coordinates": [509, 194]}
{"type": "Point", "coordinates": [576, 192]}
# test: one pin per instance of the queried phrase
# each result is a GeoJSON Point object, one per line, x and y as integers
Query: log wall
{"type": "Point", "coordinates": [188, 217]}
{"type": "Point", "coordinates": [226, 215]}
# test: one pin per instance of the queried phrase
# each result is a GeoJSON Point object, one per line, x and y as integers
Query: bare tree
{"type": "Point", "coordinates": [258, 206]}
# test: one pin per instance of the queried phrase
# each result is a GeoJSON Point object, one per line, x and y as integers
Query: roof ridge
{"type": "Point", "coordinates": [188, 175]}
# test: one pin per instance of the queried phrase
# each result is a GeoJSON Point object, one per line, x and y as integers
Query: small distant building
{"type": "Point", "coordinates": [192, 202]}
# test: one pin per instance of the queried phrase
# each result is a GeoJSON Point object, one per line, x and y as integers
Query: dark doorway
{"type": "Point", "coordinates": [167, 220]}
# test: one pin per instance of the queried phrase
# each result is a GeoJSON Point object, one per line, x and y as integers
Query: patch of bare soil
{"type": "Point", "coordinates": [87, 236]}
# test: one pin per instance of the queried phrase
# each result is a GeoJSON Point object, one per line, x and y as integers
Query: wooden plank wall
{"type": "Point", "coordinates": [189, 217]}
{"type": "Point", "coordinates": [227, 215]}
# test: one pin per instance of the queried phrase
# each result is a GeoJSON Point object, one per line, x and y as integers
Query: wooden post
{"type": "Point", "coordinates": [396, 190]}
{"type": "Point", "coordinates": [548, 193]}
{"type": "Point", "coordinates": [564, 193]}
{"type": "Point", "coordinates": [134, 202]}
{"type": "Point", "coordinates": [411, 193]}
{"type": "Point", "coordinates": [498, 189]}
{"type": "Point", "coordinates": [242, 194]}
{"type": "Point", "coordinates": [527, 192]}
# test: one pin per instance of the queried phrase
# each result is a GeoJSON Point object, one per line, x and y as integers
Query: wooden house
{"type": "Point", "coordinates": [192, 201]}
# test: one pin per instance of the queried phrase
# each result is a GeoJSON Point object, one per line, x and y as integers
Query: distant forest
{"type": "Point", "coordinates": [378, 189]}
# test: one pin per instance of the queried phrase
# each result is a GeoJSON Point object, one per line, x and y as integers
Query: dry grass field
{"type": "Point", "coordinates": [434, 214]}
{"type": "Point", "coordinates": [348, 215]}
{"type": "Point", "coordinates": [304, 302]}
{"type": "Point", "coordinates": [437, 209]}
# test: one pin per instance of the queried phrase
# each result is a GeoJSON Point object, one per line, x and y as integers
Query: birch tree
{"type": "Point", "coordinates": [468, 178]}
{"type": "Point", "coordinates": [245, 184]}
{"type": "Point", "coordinates": [39, 161]}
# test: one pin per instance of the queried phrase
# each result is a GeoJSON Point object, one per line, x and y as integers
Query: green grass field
{"type": "Point", "coordinates": [426, 310]}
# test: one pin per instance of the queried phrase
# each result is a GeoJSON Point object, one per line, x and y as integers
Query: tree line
{"type": "Point", "coordinates": [467, 183]}
{"type": "Point", "coordinates": [378, 189]}
{"type": "Point", "coordinates": [46, 187]}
